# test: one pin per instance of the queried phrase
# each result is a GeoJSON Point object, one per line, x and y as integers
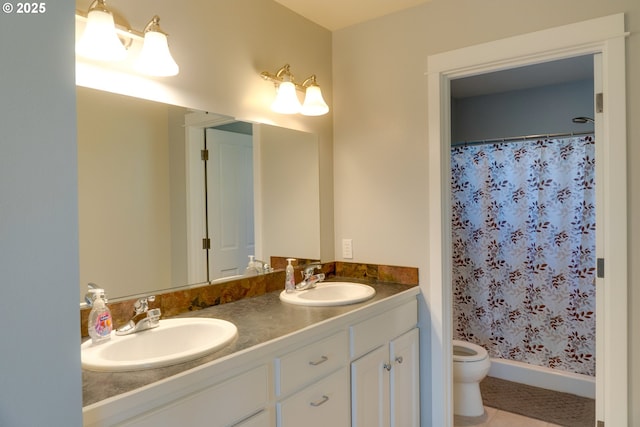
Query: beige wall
{"type": "Point", "coordinates": [289, 205]}
{"type": "Point", "coordinates": [380, 107]}
{"type": "Point", "coordinates": [124, 201]}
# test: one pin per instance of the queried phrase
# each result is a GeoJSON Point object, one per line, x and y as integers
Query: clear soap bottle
{"type": "Point", "coordinates": [290, 279]}
{"type": "Point", "coordinates": [251, 267]}
{"type": "Point", "coordinates": [100, 323]}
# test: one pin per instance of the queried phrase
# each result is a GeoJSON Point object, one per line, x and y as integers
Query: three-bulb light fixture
{"type": "Point", "coordinates": [286, 101]}
{"type": "Point", "coordinates": [102, 40]}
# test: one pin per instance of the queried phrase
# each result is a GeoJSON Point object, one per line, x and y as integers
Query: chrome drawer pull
{"type": "Point", "coordinates": [318, 362]}
{"type": "Point", "coordinates": [324, 400]}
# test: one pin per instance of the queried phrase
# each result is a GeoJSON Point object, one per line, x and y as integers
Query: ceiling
{"type": "Point", "coordinates": [337, 14]}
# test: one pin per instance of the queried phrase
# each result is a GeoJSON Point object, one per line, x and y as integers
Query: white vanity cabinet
{"type": "Point", "coordinates": [385, 370]}
{"type": "Point", "coordinates": [312, 384]}
{"type": "Point", "coordinates": [331, 373]}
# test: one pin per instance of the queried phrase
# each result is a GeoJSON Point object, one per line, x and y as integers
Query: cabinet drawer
{"type": "Point", "coordinates": [305, 365]}
{"type": "Point", "coordinates": [325, 403]}
{"type": "Point", "coordinates": [367, 335]}
{"type": "Point", "coordinates": [219, 405]}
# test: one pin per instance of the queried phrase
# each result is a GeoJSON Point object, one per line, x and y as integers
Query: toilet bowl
{"type": "Point", "coordinates": [470, 365]}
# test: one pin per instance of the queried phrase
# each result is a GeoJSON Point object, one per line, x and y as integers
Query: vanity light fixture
{"type": "Point", "coordinates": [103, 40]}
{"type": "Point", "coordinates": [286, 101]}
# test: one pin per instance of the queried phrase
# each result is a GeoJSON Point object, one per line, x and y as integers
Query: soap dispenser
{"type": "Point", "coordinates": [290, 279]}
{"type": "Point", "coordinates": [100, 323]}
{"type": "Point", "coordinates": [251, 269]}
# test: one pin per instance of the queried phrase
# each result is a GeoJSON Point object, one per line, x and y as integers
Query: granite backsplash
{"type": "Point", "coordinates": [172, 303]}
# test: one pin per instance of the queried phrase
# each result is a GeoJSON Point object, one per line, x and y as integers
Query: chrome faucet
{"type": "Point", "coordinates": [261, 267]}
{"type": "Point", "coordinates": [264, 267]}
{"type": "Point", "coordinates": [142, 318]}
{"type": "Point", "coordinates": [310, 279]}
{"type": "Point", "coordinates": [257, 267]}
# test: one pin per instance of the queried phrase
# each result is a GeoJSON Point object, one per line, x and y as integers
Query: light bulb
{"type": "Point", "coordinates": [314, 104]}
{"type": "Point", "coordinates": [155, 58]}
{"type": "Point", "coordinates": [286, 101]}
{"type": "Point", "coordinates": [99, 40]}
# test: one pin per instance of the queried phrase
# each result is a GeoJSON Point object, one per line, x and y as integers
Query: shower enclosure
{"type": "Point", "coordinates": [523, 232]}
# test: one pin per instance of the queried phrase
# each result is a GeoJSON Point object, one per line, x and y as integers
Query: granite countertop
{"type": "Point", "coordinates": [258, 319]}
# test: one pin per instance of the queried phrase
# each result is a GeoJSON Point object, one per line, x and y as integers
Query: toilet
{"type": "Point", "coordinates": [470, 365]}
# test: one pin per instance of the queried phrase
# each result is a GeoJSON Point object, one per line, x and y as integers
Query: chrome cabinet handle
{"type": "Point", "coordinates": [324, 400]}
{"type": "Point", "coordinates": [399, 359]}
{"type": "Point", "coordinates": [318, 362]}
{"type": "Point", "coordinates": [387, 366]}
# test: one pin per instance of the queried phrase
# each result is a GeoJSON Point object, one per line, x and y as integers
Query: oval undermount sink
{"type": "Point", "coordinates": [329, 294]}
{"type": "Point", "coordinates": [174, 341]}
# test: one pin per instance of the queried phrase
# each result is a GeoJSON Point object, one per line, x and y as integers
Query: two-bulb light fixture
{"type": "Point", "coordinates": [102, 40]}
{"type": "Point", "coordinates": [286, 101]}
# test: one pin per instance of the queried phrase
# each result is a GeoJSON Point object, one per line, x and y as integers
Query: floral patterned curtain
{"type": "Point", "coordinates": [524, 250]}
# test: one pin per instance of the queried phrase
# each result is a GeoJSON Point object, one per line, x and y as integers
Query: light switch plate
{"type": "Point", "coordinates": [347, 248]}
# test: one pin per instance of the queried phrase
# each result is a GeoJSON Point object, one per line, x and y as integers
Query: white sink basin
{"type": "Point", "coordinates": [174, 341]}
{"type": "Point", "coordinates": [329, 294]}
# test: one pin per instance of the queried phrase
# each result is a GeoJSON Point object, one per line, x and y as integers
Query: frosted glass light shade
{"type": "Point", "coordinates": [99, 40]}
{"type": "Point", "coordinates": [314, 104]}
{"type": "Point", "coordinates": [155, 58]}
{"type": "Point", "coordinates": [286, 101]}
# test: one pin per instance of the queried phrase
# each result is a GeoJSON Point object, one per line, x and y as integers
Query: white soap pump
{"type": "Point", "coordinates": [290, 279]}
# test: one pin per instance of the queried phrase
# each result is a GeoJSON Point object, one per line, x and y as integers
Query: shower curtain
{"type": "Point", "coordinates": [523, 225]}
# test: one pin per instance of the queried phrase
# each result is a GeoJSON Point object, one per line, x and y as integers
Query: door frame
{"type": "Point", "coordinates": [604, 36]}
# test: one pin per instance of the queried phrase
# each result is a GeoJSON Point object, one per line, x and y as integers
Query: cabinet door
{"type": "Point", "coordinates": [370, 389]}
{"type": "Point", "coordinates": [405, 380]}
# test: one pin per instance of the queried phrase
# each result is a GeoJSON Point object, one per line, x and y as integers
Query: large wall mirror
{"type": "Point", "coordinates": [146, 198]}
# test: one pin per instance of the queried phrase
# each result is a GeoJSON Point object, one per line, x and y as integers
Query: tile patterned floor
{"type": "Point", "coordinates": [495, 418]}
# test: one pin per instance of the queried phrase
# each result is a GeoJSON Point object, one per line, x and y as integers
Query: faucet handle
{"type": "Point", "coordinates": [142, 304]}
{"type": "Point", "coordinates": [308, 271]}
{"type": "Point", "coordinates": [154, 314]}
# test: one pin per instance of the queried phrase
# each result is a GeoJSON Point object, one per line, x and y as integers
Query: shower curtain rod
{"type": "Point", "coordinates": [519, 138]}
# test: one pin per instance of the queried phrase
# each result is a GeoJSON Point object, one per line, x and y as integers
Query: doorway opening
{"type": "Point", "coordinates": [523, 230]}
{"type": "Point", "coordinates": [605, 39]}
